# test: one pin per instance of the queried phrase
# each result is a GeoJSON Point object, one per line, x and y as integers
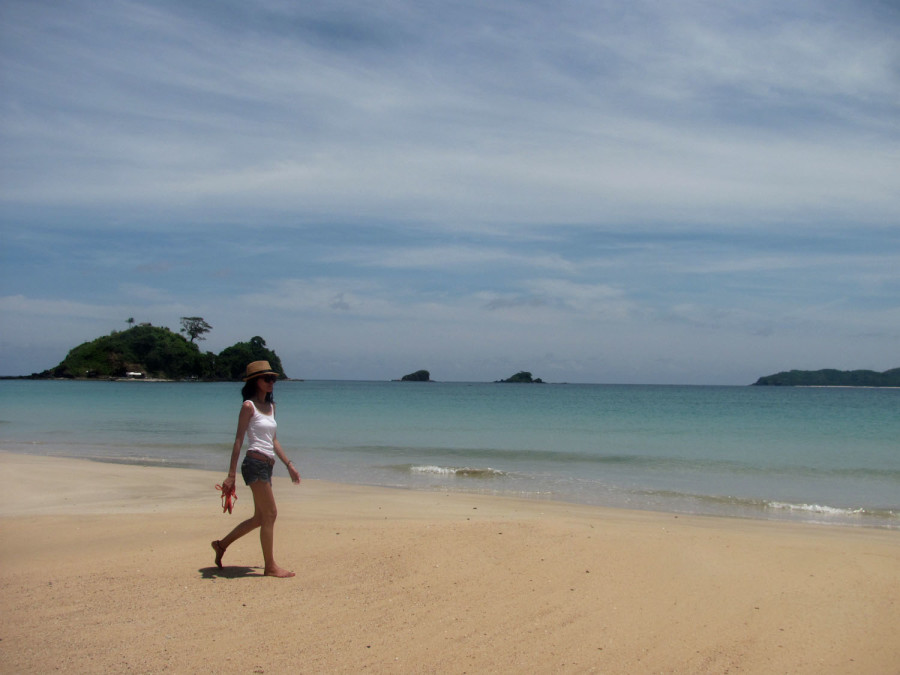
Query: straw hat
{"type": "Point", "coordinates": [258, 368]}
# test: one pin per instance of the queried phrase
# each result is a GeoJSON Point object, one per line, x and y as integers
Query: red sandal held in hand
{"type": "Point", "coordinates": [229, 497]}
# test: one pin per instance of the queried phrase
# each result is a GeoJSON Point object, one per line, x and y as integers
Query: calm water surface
{"type": "Point", "coordinates": [826, 455]}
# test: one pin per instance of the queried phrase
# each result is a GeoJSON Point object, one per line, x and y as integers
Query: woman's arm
{"type": "Point", "coordinates": [295, 475]}
{"type": "Point", "coordinates": [243, 421]}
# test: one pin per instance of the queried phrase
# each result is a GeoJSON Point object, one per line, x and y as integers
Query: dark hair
{"type": "Point", "coordinates": [249, 391]}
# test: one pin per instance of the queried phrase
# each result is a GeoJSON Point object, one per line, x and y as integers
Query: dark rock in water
{"type": "Point", "coordinates": [418, 376]}
{"type": "Point", "coordinates": [522, 377]}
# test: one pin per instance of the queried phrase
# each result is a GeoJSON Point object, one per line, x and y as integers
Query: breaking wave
{"type": "Point", "coordinates": [453, 471]}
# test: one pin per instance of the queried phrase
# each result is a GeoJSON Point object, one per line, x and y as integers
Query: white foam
{"type": "Point", "coordinates": [816, 508]}
{"type": "Point", "coordinates": [441, 470]}
{"type": "Point", "coordinates": [470, 472]}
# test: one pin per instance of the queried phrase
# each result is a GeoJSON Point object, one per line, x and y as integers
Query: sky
{"type": "Point", "coordinates": [636, 192]}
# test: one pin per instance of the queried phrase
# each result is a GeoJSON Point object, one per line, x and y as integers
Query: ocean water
{"type": "Point", "coordinates": [829, 455]}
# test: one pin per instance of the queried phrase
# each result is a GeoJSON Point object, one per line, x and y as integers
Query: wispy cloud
{"type": "Point", "coordinates": [452, 257]}
{"type": "Point", "coordinates": [525, 113]}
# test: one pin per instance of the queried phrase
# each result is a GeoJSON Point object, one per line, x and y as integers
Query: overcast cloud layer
{"type": "Point", "coordinates": [644, 192]}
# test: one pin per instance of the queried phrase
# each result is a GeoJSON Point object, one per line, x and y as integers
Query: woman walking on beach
{"type": "Point", "coordinates": [257, 421]}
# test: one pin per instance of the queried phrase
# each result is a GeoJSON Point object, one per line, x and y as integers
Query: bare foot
{"type": "Point", "coordinates": [220, 551]}
{"type": "Point", "coordinates": [279, 572]}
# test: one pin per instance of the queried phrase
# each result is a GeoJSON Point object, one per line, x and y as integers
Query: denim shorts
{"type": "Point", "coordinates": [255, 469]}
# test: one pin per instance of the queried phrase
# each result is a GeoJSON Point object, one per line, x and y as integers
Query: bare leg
{"type": "Point", "coordinates": [264, 499]}
{"type": "Point", "coordinates": [263, 517]}
{"type": "Point", "coordinates": [239, 531]}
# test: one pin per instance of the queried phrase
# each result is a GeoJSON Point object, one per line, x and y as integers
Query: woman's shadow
{"type": "Point", "coordinates": [231, 572]}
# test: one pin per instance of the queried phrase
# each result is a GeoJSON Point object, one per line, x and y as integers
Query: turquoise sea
{"type": "Point", "coordinates": [827, 455]}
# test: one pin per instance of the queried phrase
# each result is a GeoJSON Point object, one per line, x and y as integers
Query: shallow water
{"type": "Point", "coordinates": [825, 455]}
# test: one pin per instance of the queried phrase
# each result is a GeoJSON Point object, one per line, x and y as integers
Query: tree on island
{"type": "Point", "coordinates": [195, 327]}
{"type": "Point", "coordinates": [156, 352]}
{"type": "Point", "coordinates": [232, 361]}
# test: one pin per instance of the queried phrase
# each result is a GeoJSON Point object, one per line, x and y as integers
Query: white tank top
{"type": "Point", "coordinates": [261, 432]}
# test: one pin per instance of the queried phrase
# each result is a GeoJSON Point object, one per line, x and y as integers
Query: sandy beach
{"type": "Point", "coordinates": [108, 568]}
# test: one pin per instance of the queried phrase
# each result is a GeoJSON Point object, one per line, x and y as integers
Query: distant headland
{"type": "Point", "coordinates": [832, 378]}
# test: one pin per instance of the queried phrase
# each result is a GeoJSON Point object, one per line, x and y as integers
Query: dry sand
{"type": "Point", "coordinates": [108, 568]}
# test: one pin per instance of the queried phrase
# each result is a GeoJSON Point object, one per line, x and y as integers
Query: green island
{"type": "Point", "coordinates": [832, 378]}
{"type": "Point", "coordinates": [157, 353]}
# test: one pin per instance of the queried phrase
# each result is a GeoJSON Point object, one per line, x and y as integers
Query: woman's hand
{"type": "Point", "coordinates": [228, 483]}
{"type": "Point", "coordinates": [295, 475]}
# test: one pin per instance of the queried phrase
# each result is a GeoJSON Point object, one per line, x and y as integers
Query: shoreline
{"type": "Point", "coordinates": [777, 511]}
{"type": "Point", "coordinates": [110, 565]}
{"type": "Point", "coordinates": [10, 457]}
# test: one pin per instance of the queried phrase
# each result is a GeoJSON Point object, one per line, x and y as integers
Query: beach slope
{"type": "Point", "coordinates": [108, 568]}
